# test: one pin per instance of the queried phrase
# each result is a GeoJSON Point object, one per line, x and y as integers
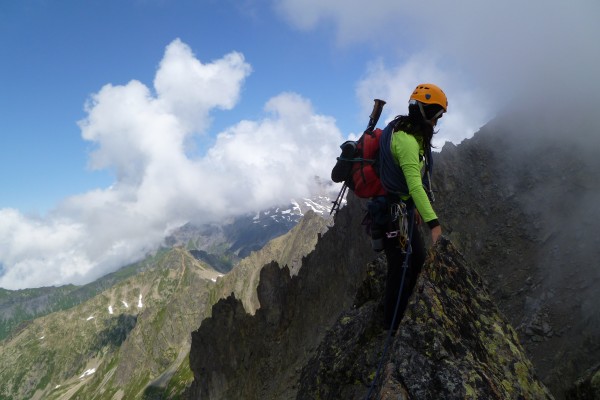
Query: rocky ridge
{"type": "Point", "coordinates": [518, 201]}
{"type": "Point", "coordinates": [318, 334]}
{"type": "Point", "coordinates": [132, 340]}
{"type": "Point", "coordinates": [260, 356]}
{"type": "Point", "coordinates": [287, 250]}
{"type": "Point", "coordinates": [453, 343]}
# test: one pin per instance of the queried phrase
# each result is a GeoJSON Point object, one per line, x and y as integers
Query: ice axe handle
{"type": "Point", "coordinates": [377, 109]}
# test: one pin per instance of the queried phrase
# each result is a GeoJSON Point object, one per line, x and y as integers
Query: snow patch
{"type": "Point", "coordinates": [140, 305]}
{"type": "Point", "coordinates": [316, 207]}
{"type": "Point", "coordinates": [42, 338]}
{"type": "Point", "coordinates": [110, 310]}
{"type": "Point", "coordinates": [125, 303]}
{"type": "Point", "coordinates": [297, 207]}
{"type": "Point", "coordinates": [90, 317]}
{"type": "Point", "coordinates": [87, 372]}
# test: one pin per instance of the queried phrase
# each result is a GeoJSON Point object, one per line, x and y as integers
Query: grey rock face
{"type": "Point", "coordinates": [318, 335]}
{"type": "Point", "coordinates": [235, 355]}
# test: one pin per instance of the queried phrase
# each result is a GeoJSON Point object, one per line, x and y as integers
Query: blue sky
{"type": "Point", "coordinates": [120, 120]}
{"type": "Point", "coordinates": [58, 53]}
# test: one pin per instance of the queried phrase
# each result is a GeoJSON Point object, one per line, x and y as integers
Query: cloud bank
{"type": "Point", "coordinates": [487, 56]}
{"type": "Point", "coordinates": [144, 137]}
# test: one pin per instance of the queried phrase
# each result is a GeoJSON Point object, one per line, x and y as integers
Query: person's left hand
{"type": "Point", "coordinates": [436, 233]}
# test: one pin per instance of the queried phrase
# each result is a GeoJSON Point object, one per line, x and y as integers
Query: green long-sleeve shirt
{"type": "Point", "coordinates": [408, 153]}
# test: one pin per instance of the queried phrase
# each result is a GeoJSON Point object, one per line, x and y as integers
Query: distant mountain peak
{"type": "Point", "coordinates": [249, 232]}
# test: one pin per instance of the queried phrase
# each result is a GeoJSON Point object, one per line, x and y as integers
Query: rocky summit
{"type": "Point", "coordinates": [453, 343]}
{"type": "Point", "coordinates": [318, 335]}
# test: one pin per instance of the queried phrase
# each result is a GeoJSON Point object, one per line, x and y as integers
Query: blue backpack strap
{"type": "Point", "coordinates": [428, 174]}
{"type": "Point", "coordinates": [392, 178]}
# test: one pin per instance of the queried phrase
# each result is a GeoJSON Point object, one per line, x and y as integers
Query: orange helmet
{"type": "Point", "coordinates": [428, 93]}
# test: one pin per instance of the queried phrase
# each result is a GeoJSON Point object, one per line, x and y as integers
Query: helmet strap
{"type": "Point", "coordinates": [433, 120]}
{"type": "Point", "coordinates": [430, 122]}
{"type": "Point", "coordinates": [422, 110]}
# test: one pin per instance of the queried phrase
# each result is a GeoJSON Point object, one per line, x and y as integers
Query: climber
{"type": "Point", "coordinates": [405, 172]}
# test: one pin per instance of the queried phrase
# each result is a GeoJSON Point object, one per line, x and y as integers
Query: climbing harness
{"type": "Point", "coordinates": [399, 213]}
{"type": "Point", "coordinates": [405, 218]}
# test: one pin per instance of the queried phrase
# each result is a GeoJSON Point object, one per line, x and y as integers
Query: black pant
{"type": "Point", "coordinates": [395, 258]}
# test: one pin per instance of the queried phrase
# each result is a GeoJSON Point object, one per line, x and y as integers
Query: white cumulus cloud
{"type": "Point", "coordinates": [142, 134]}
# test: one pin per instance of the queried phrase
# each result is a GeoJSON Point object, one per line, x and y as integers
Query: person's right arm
{"type": "Point", "coordinates": [406, 152]}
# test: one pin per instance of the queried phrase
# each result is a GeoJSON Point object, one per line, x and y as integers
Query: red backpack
{"type": "Point", "coordinates": [358, 165]}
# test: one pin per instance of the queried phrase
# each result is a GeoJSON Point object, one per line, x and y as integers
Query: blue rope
{"type": "Point", "coordinates": [404, 268]}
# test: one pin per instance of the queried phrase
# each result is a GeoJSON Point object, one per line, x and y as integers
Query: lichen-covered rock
{"type": "Point", "coordinates": [453, 343]}
{"type": "Point", "coordinates": [455, 339]}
